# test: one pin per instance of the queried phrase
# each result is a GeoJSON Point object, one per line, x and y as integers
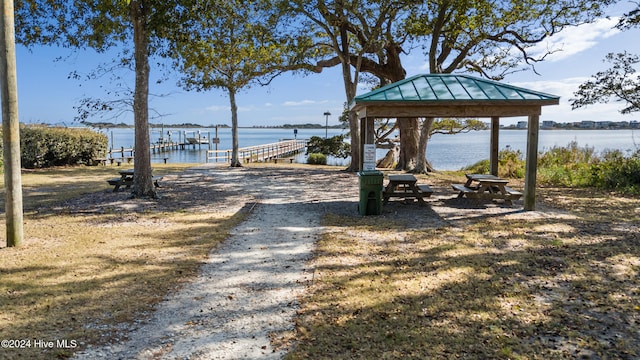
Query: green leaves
{"type": "Point", "coordinates": [493, 38]}
{"type": "Point", "coordinates": [333, 146]}
{"type": "Point", "coordinates": [455, 126]}
{"type": "Point", "coordinates": [614, 84]}
{"type": "Point", "coordinates": [78, 24]}
{"type": "Point", "coordinates": [45, 147]}
{"type": "Point", "coordinates": [219, 48]}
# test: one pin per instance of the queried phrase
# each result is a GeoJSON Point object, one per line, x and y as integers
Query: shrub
{"type": "Point", "coordinates": [334, 146]}
{"type": "Point", "coordinates": [510, 164]}
{"type": "Point", "coordinates": [580, 166]}
{"type": "Point", "coordinates": [317, 159]}
{"type": "Point", "coordinates": [45, 147]}
{"type": "Point", "coordinates": [615, 171]}
{"type": "Point", "coordinates": [480, 167]}
{"type": "Point", "coordinates": [566, 166]}
{"type": "Point", "coordinates": [567, 156]}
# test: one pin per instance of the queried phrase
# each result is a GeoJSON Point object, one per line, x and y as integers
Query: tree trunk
{"type": "Point", "coordinates": [143, 179]}
{"type": "Point", "coordinates": [10, 127]}
{"type": "Point", "coordinates": [235, 161]}
{"type": "Point", "coordinates": [422, 164]}
{"type": "Point", "coordinates": [408, 143]}
{"type": "Point", "coordinates": [354, 129]}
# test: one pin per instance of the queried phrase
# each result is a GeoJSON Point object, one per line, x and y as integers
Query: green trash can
{"type": "Point", "coordinates": [370, 192]}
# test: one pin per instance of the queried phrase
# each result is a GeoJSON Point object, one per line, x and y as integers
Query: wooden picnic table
{"type": "Point", "coordinates": [126, 179]}
{"type": "Point", "coordinates": [405, 186]}
{"type": "Point", "coordinates": [485, 186]}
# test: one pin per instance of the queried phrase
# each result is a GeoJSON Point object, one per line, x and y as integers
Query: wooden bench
{"type": "Point", "coordinates": [469, 192]}
{"type": "Point", "coordinates": [425, 189]}
{"type": "Point", "coordinates": [118, 182]}
{"type": "Point", "coordinates": [97, 161]}
{"type": "Point", "coordinates": [514, 194]}
{"type": "Point", "coordinates": [120, 160]}
{"type": "Point", "coordinates": [472, 193]}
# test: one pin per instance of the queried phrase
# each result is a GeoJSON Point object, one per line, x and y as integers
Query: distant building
{"type": "Point", "coordinates": [522, 125]}
{"type": "Point", "coordinates": [634, 124]}
{"type": "Point", "coordinates": [548, 124]}
{"type": "Point", "coordinates": [587, 124]}
{"type": "Point", "coordinates": [603, 124]}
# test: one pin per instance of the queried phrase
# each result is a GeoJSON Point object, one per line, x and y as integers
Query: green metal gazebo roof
{"type": "Point", "coordinates": [450, 87]}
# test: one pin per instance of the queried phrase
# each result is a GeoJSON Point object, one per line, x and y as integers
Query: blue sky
{"type": "Point", "coordinates": [46, 94]}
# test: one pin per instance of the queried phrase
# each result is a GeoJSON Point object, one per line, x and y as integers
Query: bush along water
{"type": "Point", "coordinates": [317, 159]}
{"type": "Point", "coordinates": [510, 165]}
{"type": "Point", "coordinates": [43, 146]}
{"type": "Point", "coordinates": [573, 166]}
{"type": "Point", "coordinates": [616, 171]}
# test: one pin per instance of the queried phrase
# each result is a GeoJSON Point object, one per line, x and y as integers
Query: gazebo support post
{"type": "Point", "coordinates": [532, 163]}
{"type": "Point", "coordinates": [493, 156]}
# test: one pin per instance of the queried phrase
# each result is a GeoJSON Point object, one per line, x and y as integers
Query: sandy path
{"type": "Point", "coordinates": [248, 288]}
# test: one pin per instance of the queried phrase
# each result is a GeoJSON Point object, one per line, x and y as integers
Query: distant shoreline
{"type": "Point", "coordinates": [105, 125]}
{"type": "Point", "coordinates": [557, 126]}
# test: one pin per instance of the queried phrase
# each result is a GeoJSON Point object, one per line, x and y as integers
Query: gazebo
{"type": "Point", "coordinates": [458, 96]}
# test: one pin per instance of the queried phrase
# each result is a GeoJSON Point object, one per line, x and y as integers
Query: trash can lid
{"type": "Point", "coordinates": [370, 173]}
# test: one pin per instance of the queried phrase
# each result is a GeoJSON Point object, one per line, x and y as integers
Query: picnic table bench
{"type": "Point", "coordinates": [126, 180]}
{"type": "Point", "coordinates": [405, 186]}
{"type": "Point", "coordinates": [488, 187]}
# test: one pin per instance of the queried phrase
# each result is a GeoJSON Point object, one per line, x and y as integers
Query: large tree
{"type": "Point", "coordinates": [349, 34]}
{"type": "Point", "coordinates": [491, 38]}
{"type": "Point", "coordinates": [231, 45]}
{"type": "Point", "coordinates": [488, 37]}
{"type": "Point", "coordinates": [10, 127]}
{"type": "Point", "coordinates": [140, 27]}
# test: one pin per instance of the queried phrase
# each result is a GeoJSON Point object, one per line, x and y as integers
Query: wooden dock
{"type": "Point", "coordinates": [126, 154]}
{"type": "Point", "coordinates": [257, 153]}
{"type": "Point", "coordinates": [265, 152]}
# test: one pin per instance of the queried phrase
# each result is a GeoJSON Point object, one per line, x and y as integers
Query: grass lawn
{"type": "Point", "coordinates": [79, 275]}
{"type": "Point", "coordinates": [538, 287]}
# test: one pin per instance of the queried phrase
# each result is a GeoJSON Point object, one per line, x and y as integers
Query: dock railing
{"type": "Point", "coordinates": [264, 152]}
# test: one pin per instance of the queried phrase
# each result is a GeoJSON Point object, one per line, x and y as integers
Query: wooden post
{"type": "Point", "coordinates": [532, 163]}
{"type": "Point", "coordinates": [363, 122]}
{"type": "Point", "coordinates": [495, 145]}
{"type": "Point", "coordinates": [10, 127]}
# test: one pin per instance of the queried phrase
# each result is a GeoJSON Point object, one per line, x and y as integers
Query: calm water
{"type": "Point", "coordinates": [446, 152]}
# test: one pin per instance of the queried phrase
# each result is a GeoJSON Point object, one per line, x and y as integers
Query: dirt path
{"type": "Point", "coordinates": [246, 295]}
{"type": "Point", "coordinates": [247, 290]}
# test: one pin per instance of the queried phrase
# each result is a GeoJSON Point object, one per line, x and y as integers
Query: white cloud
{"type": "Point", "coordinates": [216, 108]}
{"type": "Point", "coordinates": [299, 103]}
{"type": "Point", "coordinates": [562, 87]}
{"type": "Point", "coordinates": [574, 40]}
{"type": "Point", "coordinates": [246, 108]}
{"type": "Point", "coordinates": [563, 112]}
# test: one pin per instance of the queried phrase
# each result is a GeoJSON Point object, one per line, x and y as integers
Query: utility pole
{"type": "Point", "coordinates": [326, 123]}
{"type": "Point", "coordinates": [10, 126]}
